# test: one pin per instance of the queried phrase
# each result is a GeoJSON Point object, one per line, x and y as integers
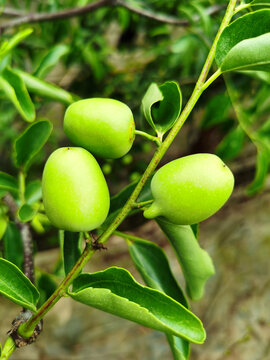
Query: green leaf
{"type": "Point", "coordinates": [8, 182]}
{"type": "Point", "coordinates": [15, 90]}
{"type": "Point", "coordinates": [33, 192]}
{"type": "Point", "coordinates": [262, 165]}
{"type": "Point", "coordinates": [153, 265]}
{"type": "Point", "coordinates": [115, 291]}
{"type": "Point", "coordinates": [26, 213]}
{"type": "Point", "coordinates": [231, 144]}
{"type": "Point", "coordinates": [50, 60]}
{"type": "Point", "coordinates": [178, 347]}
{"type": "Point", "coordinates": [46, 286]}
{"type": "Point", "coordinates": [248, 26]}
{"type": "Point", "coordinates": [92, 57]}
{"type": "Point", "coordinates": [161, 106]}
{"type": "Point", "coordinates": [196, 263]}
{"type": "Point", "coordinates": [45, 89]}
{"type": "Point", "coordinates": [71, 248]}
{"type": "Point", "coordinates": [260, 75]}
{"type": "Point", "coordinates": [30, 142]}
{"type": "Point", "coordinates": [260, 3]}
{"type": "Point", "coordinates": [217, 110]}
{"type": "Point", "coordinates": [262, 135]}
{"type": "Point", "coordinates": [204, 16]}
{"type": "Point", "coordinates": [16, 286]}
{"type": "Point", "coordinates": [261, 139]}
{"type": "Point", "coordinates": [13, 247]}
{"type": "Point", "coordinates": [151, 97]}
{"type": "Point", "coordinates": [3, 225]}
{"type": "Point", "coordinates": [8, 45]}
{"type": "Point", "coordinates": [250, 54]}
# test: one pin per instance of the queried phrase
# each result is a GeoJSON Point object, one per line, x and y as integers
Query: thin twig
{"type": "Point", "coordinates": [164, 18]}
{"type": "Point", "coordinates": [58, 15]}
{"type": "Point", "coordinates": [12, 12]}
{"type": "Point", "coordinates": [28, 265]}
{"type": "Point", "coordinates": [26, 238]}
{"type": "Point", "coordinates": [69, 13]}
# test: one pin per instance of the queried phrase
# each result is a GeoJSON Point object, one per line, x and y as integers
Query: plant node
{"type": "Point", "coordinates": [18, 339]}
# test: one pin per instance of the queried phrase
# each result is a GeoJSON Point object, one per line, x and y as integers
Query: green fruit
{"type": "Point", "coordinates": [190, 189]}
{"type": "Point", "coordinates": [75, 193]}
{"type": "Point", "coordinates": [105, 127]}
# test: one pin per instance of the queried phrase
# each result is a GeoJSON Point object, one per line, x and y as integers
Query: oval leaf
{"type": "Point", "coordinates": [15, 90]}
{"type": "Point", "coordinates": [217, 110]}
{"type": "Point", "coordinates": [260, 75]}
{"type": "Point", "coordinates": [152, 96]}
{"type": "Point", "coordinates": [161, 106]}
{"type": "Point", "coordinates": [260, 3]}
{"type": "Point", "coordinates": [115, 291]}
{"type": "Point", "coordinates": [8, 45]}
{"type": "Point", "coordinates": [231, 144]}
{"type": "Point", "coordinates": [26, 213]}
{"type": "Point", "coordinates": [13, 247]}
{"type": "Point", "coordinates": [3, 225]}
{"type": "Point", "coordinates": [8, 182]}
{"type": "Point", "coordinates": [180, 348]}
{"type": "Point", "coordinates": [71, 248]}
{"type": "Point", "coordinates": [33, 192]}
{"type": "Point", "coordinates": [248, 26]}
{"type": "Point", "coordinates": [16, 286]}
{"type": "Point", "coordinates": [262, 166]}
{"type": "Point", "coordinates": [153, 265]}
{"type": "Point", "coordinates": [46, 286]}
{"type": "Point", "coordinates": [196, 263]}
{"type": "Point", "coordinates": [30, 142]}
{"type": "Point", "coordinates": [50, 60]}
{"type": "Point", "coordinates": [45, 89]}
{"type": "Point", "coordinates": [250, 54]}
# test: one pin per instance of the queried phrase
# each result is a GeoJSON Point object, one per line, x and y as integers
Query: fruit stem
{"type": "Point", "coordinates": [139, 205]}
{"type": "Point", "coordinates": [241, 7]}
{"type": "Point", "coordinates": [201, 85]}
{"type": "Point", "coordinates": [127, 237]}
{"type": "Point", "coordinates": [149, 137]}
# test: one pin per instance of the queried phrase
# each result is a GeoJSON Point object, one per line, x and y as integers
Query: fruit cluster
{"type": "Point", "coordinates": [75, 194]}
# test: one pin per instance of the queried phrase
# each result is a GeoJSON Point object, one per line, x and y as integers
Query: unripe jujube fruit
{"type": "Point", "coordinates": [75, 192]}
{"type": "Point", "coordinates": [190, 189]}
{"type": "Point", "coordinates": [105, 127]}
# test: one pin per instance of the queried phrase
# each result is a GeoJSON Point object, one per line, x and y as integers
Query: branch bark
{"type": "Point", "coordinates": [69, 13]}
{"type": "Point", "coordinates": [26, 239]}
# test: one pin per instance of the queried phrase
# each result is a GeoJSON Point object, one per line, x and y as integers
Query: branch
{"type": "Point", "coordinates": [69, 13]}
{"type": "Point", "coordinates": [26, 239]}
{"type": "Point", "coordinates": [164, 18]}
{"type": "Point", "coordinates": [58, 15]}
{"type": "Point", "coordinates": [12, 12]}
{"type": "Point", "coordinates": [15, 340]}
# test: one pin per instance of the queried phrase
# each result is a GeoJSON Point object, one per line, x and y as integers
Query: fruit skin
{"type": "Point", "coordinates": [75, 192]}
{"type": "Point", "coordinates": [105, 127]}
{"type": "Point", "coordinates": [190, 189]}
